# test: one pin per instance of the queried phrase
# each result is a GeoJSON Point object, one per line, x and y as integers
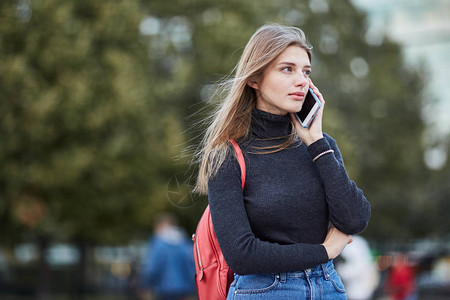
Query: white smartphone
{"type": "Point", "coordinates": [310, 107]}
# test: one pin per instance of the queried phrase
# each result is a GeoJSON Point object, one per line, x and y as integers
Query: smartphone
{"type": "Point", "coordinates": [310, 107]}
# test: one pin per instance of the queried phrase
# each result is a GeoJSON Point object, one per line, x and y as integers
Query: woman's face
{"type": "Point", "coordinates": [282, 87]}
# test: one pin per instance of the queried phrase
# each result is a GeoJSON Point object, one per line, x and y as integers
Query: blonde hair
{"type": "Point", "coordinates": [232, 117]}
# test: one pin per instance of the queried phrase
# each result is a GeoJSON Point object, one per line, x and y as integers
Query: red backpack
{"type": "Point", "coordinates": [213, 276]}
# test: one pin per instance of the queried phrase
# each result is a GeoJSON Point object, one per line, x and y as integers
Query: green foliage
{"type": "Point", "coordinates": [93, 112]}
{"type": "Point", "coordinates": [82, 136]}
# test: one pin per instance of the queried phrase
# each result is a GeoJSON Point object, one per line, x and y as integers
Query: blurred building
{"type": "Point", "coordinates": [422, 28]}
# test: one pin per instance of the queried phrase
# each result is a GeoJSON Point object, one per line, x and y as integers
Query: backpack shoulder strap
{"type": "Point", "coordinates": [240, 158]}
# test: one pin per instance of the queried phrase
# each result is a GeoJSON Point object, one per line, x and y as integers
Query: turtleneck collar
{"type": "Point", "coordinates": [266, 125]}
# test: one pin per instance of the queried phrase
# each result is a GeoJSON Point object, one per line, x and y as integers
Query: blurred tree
{"type": "Point", "coordinates": [85, 147]}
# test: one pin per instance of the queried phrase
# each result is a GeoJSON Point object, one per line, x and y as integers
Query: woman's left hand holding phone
{"type": "Point", "coordinates": [314, 131]}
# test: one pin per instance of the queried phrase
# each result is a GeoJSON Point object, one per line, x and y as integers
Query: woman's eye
{"type": "Point", "coordinates": [307, 73]}
{"type": "Point", "coordinates": [287, 69]}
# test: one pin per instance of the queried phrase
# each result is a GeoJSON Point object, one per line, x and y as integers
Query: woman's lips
{"type": "Point", "coordinates": [297, 95]}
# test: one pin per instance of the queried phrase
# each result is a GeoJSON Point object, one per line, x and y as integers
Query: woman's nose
{"type": "Point", "coordinates": [301, 80]}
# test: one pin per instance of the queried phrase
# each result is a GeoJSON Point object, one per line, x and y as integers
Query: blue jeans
{"type": "Point", "coordinates": [318, 283]}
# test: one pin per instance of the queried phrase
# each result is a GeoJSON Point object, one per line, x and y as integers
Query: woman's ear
{"type": "Point", "coordinates": [253, 83]}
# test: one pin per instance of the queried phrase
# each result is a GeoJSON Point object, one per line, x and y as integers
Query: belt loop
{"type": "Point", "coordinates": [325, 271]}
{"type": "Point", "coordinates": [282, 277]}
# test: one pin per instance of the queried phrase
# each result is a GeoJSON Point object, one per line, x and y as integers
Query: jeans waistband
{"type": "Point", "coordinates": [319, 270]}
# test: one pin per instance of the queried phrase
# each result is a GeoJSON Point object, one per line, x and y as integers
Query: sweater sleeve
{"type": "Point", "coordinates": [349, 210]}
{"type": "Point", "coordinates": [243, 251]}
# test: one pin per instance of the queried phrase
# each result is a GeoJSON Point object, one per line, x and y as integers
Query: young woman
{"type": "Point", "coordinates": [275, 234]}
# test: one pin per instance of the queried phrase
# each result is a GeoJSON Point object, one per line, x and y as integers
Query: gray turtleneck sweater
{"type": "Point", "coordinates": [278, 222]}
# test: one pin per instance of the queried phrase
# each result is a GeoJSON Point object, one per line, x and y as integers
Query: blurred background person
{"type": "Point", "coordinates": [168, 268]}
{"type": "Point", "coordinates": [357, 270]}
{"type": "Point", "coordinates": [400, 283]}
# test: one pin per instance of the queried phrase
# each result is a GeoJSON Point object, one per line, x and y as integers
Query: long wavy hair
{"type": "Point", "coordinates": [231, 118]}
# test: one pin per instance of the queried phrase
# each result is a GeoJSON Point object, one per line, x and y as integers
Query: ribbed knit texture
{"type": "Point", "coordinates": [277, 224]}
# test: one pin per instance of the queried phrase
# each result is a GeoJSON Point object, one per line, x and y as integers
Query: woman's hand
{"type": "Point", "coordinates": [335, 242]}
{"type": "Point", "coordinates": [314, 131]}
